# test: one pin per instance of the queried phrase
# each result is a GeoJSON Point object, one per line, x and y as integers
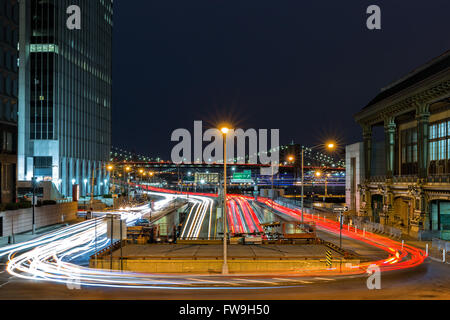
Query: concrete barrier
{"type": "Point", "coordinates": [210, 266]}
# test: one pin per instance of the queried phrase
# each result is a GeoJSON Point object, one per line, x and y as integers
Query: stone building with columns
{"type": "Point", "coordinates": [405, 182]}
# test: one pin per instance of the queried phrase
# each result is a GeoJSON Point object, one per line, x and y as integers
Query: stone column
{"type": "Point", "coordinates": [389, 130]}
{"type": "Point", "coordinates": [367, 136]}
{"type": "Point", "coordinates": [423, 119]}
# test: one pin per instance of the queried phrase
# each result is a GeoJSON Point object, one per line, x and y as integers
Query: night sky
{"type": "Point", "coordinates": [302, 66]}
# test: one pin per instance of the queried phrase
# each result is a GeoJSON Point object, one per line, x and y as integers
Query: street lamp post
{"type": "Point", "coordinates": [225, 225]}
{"type": "Point", "coordinates": [330, 146]}
{"type": "Point", "coordinates": [33, 203]}
{"type": "Point", "coordinates": [109, 168]}
{"type": "Point", "coordinates": [303, 182]}
{"type": "Point", "coordinates": [340, 229]}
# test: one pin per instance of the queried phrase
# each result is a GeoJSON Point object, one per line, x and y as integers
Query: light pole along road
{"type": "Point", "coordinates": [225, 131]}
{"type": "Point", "coordinates": [329, 146]}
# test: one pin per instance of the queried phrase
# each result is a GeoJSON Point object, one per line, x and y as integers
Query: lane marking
{"type": "Point", "coordinates": [281, 279]}
{"type": "Point", "coordinates": [255, 281]}
{"type": "Point", "coordinates": [325, 279]}
{"type": "Point", "coordinates": [293, 280]}
{"type": "Point", "coordinates": [204, 280]}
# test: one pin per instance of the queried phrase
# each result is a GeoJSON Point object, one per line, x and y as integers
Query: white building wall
{"type": "Point", "coordinates": [355, 151]}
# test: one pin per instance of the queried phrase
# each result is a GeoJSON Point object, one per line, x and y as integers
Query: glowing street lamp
{"type": "Point", "coordinates": [330, 146]}
{"type": "Point", "coordinates": [225, 131]}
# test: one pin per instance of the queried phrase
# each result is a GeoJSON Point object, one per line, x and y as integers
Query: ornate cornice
{"type": "Point", "coordinates": [404, 102]}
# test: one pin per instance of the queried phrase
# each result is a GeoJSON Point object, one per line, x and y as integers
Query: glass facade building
{"type": "Point", "coordinates": [65, 94]}
{"type": "Point", "coordinates": [9, 38]}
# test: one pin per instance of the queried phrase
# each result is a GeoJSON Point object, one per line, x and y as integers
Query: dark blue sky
{"type": "Point", "coordinates": [304, 67]}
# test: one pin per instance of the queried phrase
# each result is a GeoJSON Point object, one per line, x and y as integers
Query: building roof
{"type": "Point", "coordinates": [432, 67]}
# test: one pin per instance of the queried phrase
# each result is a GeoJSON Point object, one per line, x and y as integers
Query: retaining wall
{"type": "Point", "coordinates": [44, 216]}
{"type": "Point", "coordinates": [215, 266]}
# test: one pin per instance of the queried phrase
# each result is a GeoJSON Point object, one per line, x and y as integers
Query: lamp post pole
{"type": "Point", "coordinates": [33, 202]}
{"type": "Point", "coordinates": [303, 187]}
{"type": "Point", "coordinates": [225, 225]}
{"type": "Point", "coordinates": [92, 185]}
{"type": "Point", "coordinates": [330, 146]}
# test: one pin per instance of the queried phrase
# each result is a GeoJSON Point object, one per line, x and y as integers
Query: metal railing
{"type": "Point", "coordinates": [379, 228]}
{"type": "Point", "coordinates": [292, 204]}
{"type": "Point", "coordinates": [438, 178]}
{"type": "Point", "coordinates": [378, 178]}
{"type": "Point", "coordinates": [440, 244]}
{"type": "Point", "coordinates": [360, 222]}
{"type": "Point", "coordinates": [405, 178]}
{"type": "Point", "coordinates": [428, 235]}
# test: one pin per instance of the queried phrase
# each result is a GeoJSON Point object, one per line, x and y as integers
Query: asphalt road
{"type": "Point", "coordinates": [428, 281]}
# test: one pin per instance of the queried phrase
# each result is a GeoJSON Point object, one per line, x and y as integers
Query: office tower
{"type": "Point", "coordinates": [65, 94]}
{"type": "Point", "coordinates": [9, 38]}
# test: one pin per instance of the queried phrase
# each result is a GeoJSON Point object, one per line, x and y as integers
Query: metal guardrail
{"type": "Point", "coordinates": [291, 204]}
{"type": "Point", "coordinates": [358, 222]}
{"type": "Point", "coordinates": [377, 228]}
{"type": "Point", "coordinates": [428, 235]}
{"type": "Point", "coordinates": [105, 251]}
{"type": "Point", "coordinates": [440, 244]}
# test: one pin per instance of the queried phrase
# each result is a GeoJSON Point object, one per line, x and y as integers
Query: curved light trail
{"type": "Point", "coordinates": [55, 256]}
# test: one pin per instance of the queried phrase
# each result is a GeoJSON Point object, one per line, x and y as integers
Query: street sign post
{"type": "Point", "coordinates": [116, 229]}
{"type": "Point", "coordinates": [340, 210]}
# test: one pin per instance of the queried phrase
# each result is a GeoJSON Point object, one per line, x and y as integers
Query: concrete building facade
{"type": "Point", "coordinates": [354, 175]}
{"type": "Point", "coordinates": [405, 182]}
{"type": "Point", "coordinates": [65, 94]}
{"type": "Point", "coordinates": [9, 35]}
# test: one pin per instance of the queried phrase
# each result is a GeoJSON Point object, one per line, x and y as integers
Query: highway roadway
{"type": "Point", "coordinates": [54, 262]}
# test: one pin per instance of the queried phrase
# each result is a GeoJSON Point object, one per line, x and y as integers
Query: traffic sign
{"type": "Point", "coordinates": [340, 208]}
{"type": "Point", "coordinates": [242, 177]}
{"type": "Point", "coordinates": [246, 175]}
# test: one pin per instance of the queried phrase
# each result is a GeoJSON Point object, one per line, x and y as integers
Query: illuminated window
{"type": "Point", "coordinates": [439, 146]}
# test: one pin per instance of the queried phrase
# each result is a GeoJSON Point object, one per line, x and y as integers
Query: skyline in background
{"type": "Point", "coordinates": [303, 68]}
